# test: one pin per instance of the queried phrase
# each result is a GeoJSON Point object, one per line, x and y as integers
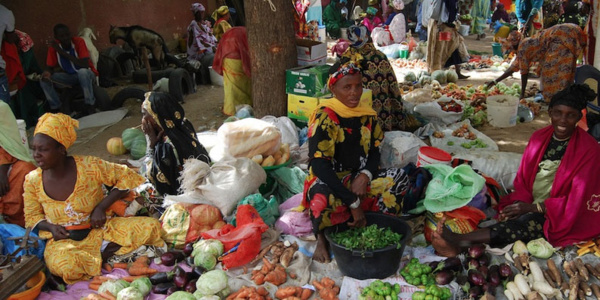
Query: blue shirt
{"type": "Point", "coordinates": [526, 8]}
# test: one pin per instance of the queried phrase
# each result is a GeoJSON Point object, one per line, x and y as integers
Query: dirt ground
{"type": "Point", "coordinates": [203, 109]}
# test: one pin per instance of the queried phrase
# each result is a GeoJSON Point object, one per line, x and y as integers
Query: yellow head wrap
{"type": "Point", "coordinates": [220, 12]}
{"type": "Point", "coordinates": [59, 126]}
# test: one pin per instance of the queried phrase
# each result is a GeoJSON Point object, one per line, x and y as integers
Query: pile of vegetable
{"type": "Point", "coordinates": [269, 272]}
{"type": "Point", "coordinates": [450, 106]}
{"type": "Point", "coordinates": [326, 288]}
{"type": "Point", "coordinates": [280, 252]}
{"type": "Point", "coordinates": [464, 132]}
{"type": "Point", "coordinates": [367, 238]}
{"type": "Point", "coordinates": [293, 292]}
{"type": "Point", "coordinates": [246, 292]}
{"type": "Point", "coordinates": [433, 292]}
{"type": "Point", "coordinates": [503, 89]}
{"type": "Point", "coordinates": [134, 140]}
{"type": "Point", "coordinates": [379, 288]}
{"type": "Point", "coordinates": [416, 273]}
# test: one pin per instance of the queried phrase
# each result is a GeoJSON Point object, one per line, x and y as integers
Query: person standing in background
{"type": "Point", "coordinates": [7, 27]}
{"type": "Point", "coordinates": [480, 13]}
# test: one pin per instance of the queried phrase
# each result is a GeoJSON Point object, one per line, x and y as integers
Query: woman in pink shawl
{"type": "Point", "coordinates": [556, 195]}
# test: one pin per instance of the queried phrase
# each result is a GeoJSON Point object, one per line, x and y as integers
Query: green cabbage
{"type": "Point", "coordinates": [198, 296]}
{"type": "Point", "coordinates": [439, 75]}
{"type": "Point", "coordinates": [215, 247]}
{"type": "Point", "coordinates": [143, 284]}
{"type": "Point", "coordinates": [181, 295]}
{"type": "Point", "coordinates": [205, 260]}
{"type": "Point", "coordinates": [130, 293]}
{"type": "Point", "coordinates": [113, 286]}
{"type": "Point", "coordinates": [451, 76]}
{"type": "Point", "coordinates": [410, 77]}
{"type": "Point", "coordinates": [540, 248]}
{"type": "Point", "coordinates": [211, 283]}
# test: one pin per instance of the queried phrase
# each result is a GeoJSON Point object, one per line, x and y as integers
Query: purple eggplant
{"type": "Point", "coordinates": [162, 288]}
{"type": "Point", "coordinates": [474, 292]}
{"type": "Point", "coordinates": [434, 264]}
{"type": "Point", "coordinates": [189, 261]}
{"type": "Point", "coordinates": [172, 290]}
{"type": "Point", "coordinates": [188, 249]}
{"type": "Point", "coordinates": [190, 287]}
{"type": "Point", "coordinates": [168, 259]}
{"type": "Point", "coordinates": [198, 271]}
{"type": "Point", "coordinates": [484, 271]}
{"type": "Point", "coordinates": [180, 280]}
{"type": "Point", "coordinates": [161, 277]}
{"type": "Point", "coordinates": [504, 270]}
{"type": "Point", "coordinates": [475, 277]}
{"type": "Point", "coordinates": [178, 271]}
{"type": "Point", "coordinates": [444, 277]}
{"type": "Point", "coordinates": [471, 263]}
{"type": "Point", "coordinates": [493, 268]}
{"type": "Point", "coordinates": [452, 264]}
{"type": "Point", "coordinates": [476, 251]}
{"type": "Point", "coordinates": [484, 260]}
{"type": "Point", "coordinates": [494, 277]}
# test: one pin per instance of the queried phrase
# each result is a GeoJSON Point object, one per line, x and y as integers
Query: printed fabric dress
{"type": "Point", "coordinates": [346, 146]}
{"type": "Point", "coordinates": [80, 260]}
{"type": "Point", "coordinates": [379, 77]}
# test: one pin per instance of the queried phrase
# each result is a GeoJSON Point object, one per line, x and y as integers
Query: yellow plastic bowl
{"type": "Point", "coordinates": [34, 285]}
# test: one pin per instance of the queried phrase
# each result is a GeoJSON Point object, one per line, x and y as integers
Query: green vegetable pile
{"type": "Point", "coordinates": [476, 116]}
{"type": "Point", "coordinates": [380, 290]}
{"type": "Point", "coordinates": [416, 273]}
{"type": "Point", "coordinates": [367, 238]}
{"type": "Point", "coordinates": [433, 292]}
{"type": "Point", "coordinates": [474, 144]}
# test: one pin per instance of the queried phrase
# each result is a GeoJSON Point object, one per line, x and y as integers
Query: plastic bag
{"type": "Point", "coordinates": [451, 188]}
{"type": "Point", "coordinates": [433, 112]}
{"type": "Point", "coordinates": [502, 166]}
{"type": "Point", "coordinates": [290, 181]}
{"type": "Point", "coordinates": [289, 131]}
{"type": "Point", "coordinates": [462, 220]}
{"type": "Point", "coordinates": [293, 222]}
{"type": "Point", "coordinates": [9, 246]}
{"type": "Point", "coordinates": [175, 222]}
{"type": "Point", "coordinates": [267, 209]}
{"type": "Point", "coordinates": [399, 148]}
{"type": "Point", "coordinates": [391, 51]}
{"type": "Point", "coordinates": [249, 137]}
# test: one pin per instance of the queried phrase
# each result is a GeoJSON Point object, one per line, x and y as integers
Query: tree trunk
{"type": "Point", "coordinates": [272, 45]}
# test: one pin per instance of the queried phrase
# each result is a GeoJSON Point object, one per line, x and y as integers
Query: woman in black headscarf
{"type": "Point", "coordinates": [171, 140]}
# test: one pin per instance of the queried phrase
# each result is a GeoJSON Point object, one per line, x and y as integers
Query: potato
{"type": "Point", "coordinates": [282, 159]}
{"type": "Point", "coordinates": [268, 162]}
{"type": "Point", "coordinates": [277, 155]}
{"type": "Point", "coordinates": [257, 159]}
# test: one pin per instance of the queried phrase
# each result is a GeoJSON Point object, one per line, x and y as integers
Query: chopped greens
{"type": "Point", "coordinates": [367, 238]}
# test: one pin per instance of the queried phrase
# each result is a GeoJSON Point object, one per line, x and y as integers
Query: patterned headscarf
{"type": "Point", "coordinates": [372, 10]}
{"type": "Point", "coordinates": [512, 41]}
{"type": "Point", "coordinates": [358, 35]}
{"type": "Point", "coordinates": [197, 7]}
{"type": "Point", "coordinates": [58, 126]}
{"type": "Point", "coordinates": [398, 4]}
{"type": "Point", "coordinates": [348, 68]}
{"type": "Point", "coordinates": [220, 12]}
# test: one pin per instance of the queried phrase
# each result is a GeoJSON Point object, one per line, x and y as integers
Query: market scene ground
{"type": "Point", "coordinates": [461, 167]}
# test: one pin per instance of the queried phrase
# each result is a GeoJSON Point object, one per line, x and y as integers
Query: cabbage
{"type": "Point", "coordinates": [540, 248]}
{"type": "Point", "coordinates": [198, 296]}
{"type": "Point", "coordinates": [113, 286]}
{"type": "Point", "coordinates": [211, 283]}
{"type": "Point", "coordinates": [410, 77]}
{"type": "Point", "coordinates": [143, 284]}
{"type": "Point", "coordinates": [451, 76]}
{"type": "Point", "coordinates": [519, 248]}
{"type": "Point", "coordinates": [130, 293]}
{"type": "Point", "coordinates": [215, 247]}
{"type": "Point", "coordinates": [425, 79]}
{"type": "Point", "coordinates": [205, 260]}
{"type": "Point", "coordinates": [181, 295]}
{"type": "Point", "coordinates": [439, 76]}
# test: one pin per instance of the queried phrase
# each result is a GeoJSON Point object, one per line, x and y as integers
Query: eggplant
{"type": "Point", "coordinates": [162, 288]}
{"type": "Point", "coordinates": [190, 287]}
{"type": "Point", "coordinates": [189, 261]}
{"type": "Point", "coordinates": [171, 258]}
{"type": "Point", "coordinates": [484, 271]}
{"type": "Point", "coordinates": [188, 249]}
{"type": "Point", "coordinates": [53, 282]}
{"type": "Point", "coordinates": [504, 270]}
{"type": "Point", "coordinates": [476, 251]}
{"type": "Point", "coordinates": [434, 264]}
{"type": "Point", "coordinates": [161, 277]}
{"type": "Point", "coordinates": [444, 277]}
{"type": "Point", "coordinates": [471, 263]}
{"type": "Point", "coordinates": [475, 277]}
{"type": "Point", "coordinates": [493, 268]}
{"type": "Point", "coordinates": [484, 260]}
{"type": "Point", "coordinates": [180, 280]}
{"type": "Point", "coordinates": [474, 292]}
{"type": "Point", "coordinates": [452, 264]}
{"type": "Point", "coordinates": [178, 271]}
{"type": "Point", "coordinates": [494, 277]}
{"type": "Point", "coordinates": [172, 290]}
{"type": "Point", "coordinates": [461, 279]}
{"type": "Point", "coordinates": [198, 271]}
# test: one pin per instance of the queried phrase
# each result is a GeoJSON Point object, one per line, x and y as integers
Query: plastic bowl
{"type": "Point", "coordinates": [380, 263]}
{"type": "Point", "coordinates": [34, 285]}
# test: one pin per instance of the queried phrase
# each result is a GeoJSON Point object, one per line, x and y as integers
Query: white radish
{"type": "Point", "coordinates": [522, 284]}
{"type": "Point", "coordinates": [536, 271]}
{"type": "Point", "coordinates": [512, 287]}
{"type": "Point", "coordinates": [509, 295]}
{"type": "Point", "coordinates": [544, 288]}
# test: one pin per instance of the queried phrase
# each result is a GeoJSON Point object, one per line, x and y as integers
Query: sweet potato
{"type": "Point", "coordinates": [285, 292]}
{"type": "Point", "coordinates": [328, 282]}
{"type": "Point", "coordinates": [306, 293]}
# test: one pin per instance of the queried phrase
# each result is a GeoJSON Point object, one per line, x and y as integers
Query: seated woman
{"type": "Point", "coordinates": [15, 163]}
{"type": "Point", "coordinates": [64, 198]}
{"type": "Point", "coordinates": [371, 20]}
{"type": "Point", "coordinates": [556, 192]}
{"type": "Point", "coordinates": [344, 178]}
{"type": "Point", "coordinates": [221, 16]}
{"type": "Point", "coordinates": [172, 140]}
{"type": "Point", "coordinates": [201, 43]}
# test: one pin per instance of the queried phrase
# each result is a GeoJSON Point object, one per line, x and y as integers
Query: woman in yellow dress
{"type": "Point", "coordinates": [221, 16]}
{"type": "Point", "coordinates": [64, 198]}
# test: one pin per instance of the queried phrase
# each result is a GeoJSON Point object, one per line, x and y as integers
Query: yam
{"type": "Point", "coordinates": [257, 159]}
{"type": "Point", "coordinates": [268, 162]}
{"type": "Point", "coordinates": [284, 157]}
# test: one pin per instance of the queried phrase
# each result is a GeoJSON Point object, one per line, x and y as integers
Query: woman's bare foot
{"type": "Point", "coordinates": [461, 76]}
{"type": "Point", "coordinates": [440, 240]}
{"type": "Point", "coordinates": [322, 251]}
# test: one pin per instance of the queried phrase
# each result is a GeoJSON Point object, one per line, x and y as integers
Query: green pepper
{"type": "Point", "coordinates": [397, 288]}
{"type": "Point", "coordinates": [415, 273]}
{"type": "Point", "coordinates": [418, 296]}
{"type": "Point", "coordinates": [385, 290]}
{"type": "Point", "coordinates": [428, 297]}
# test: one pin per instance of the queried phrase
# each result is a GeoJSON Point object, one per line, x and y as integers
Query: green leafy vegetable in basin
{"type": "Point", "coordinates": [367, 238]}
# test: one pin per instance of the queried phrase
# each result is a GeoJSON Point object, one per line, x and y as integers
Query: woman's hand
{"type": "Point", "coordinates": [59, 232]}
{"type": "Point", "coordinates": [359, 218]}
{"type": "Point", "coordinates": [516, 210]}
{"type": "Point", "coordinates": [490, 84]}
{"type": "Point", "coordinates": [98, 217]}
{"type": "Point", "coordinates": [359, 185]}
{"type": "Point", "coordinates": [152, 133]}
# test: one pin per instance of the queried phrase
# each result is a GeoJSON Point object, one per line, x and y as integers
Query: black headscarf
{"type": "Point", "coordinates": [576, 96]}
{"type": "Point", "coordinates": [169, 114]}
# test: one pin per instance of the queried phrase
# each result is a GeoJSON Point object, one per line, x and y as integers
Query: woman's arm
{"type": "Point", "coordinates": [323, 169]}
{"type": "Point", "coordinates": [98, 217]}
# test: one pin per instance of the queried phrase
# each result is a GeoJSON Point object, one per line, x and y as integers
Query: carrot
{"type": "Point", "coordinates": [268, 264]}
{"type": "Point", "coordinates": [140, 267]}
{"type": "Point", "coordinates": [262, 291]}
{"type": "Point", "coordinates": [94, 286]}
{"type": "Point", "coordinates": [327, 282]}
{"type": "Point", "coordinates": [234, 295]}
{"type": "Point", "coordinates": [285, 292]}
{"type": "Point", "coordinates": [317, 285]}
{"type": "Point", "coordinates": [132, 278]}
{"type": "Point", "coordinates": [306, 293]}
{"type": "Point", "coordinates": [108, 295]}
{"type": "Point", "coordinates": [94, 297]}
{"type": "Point", "coordinates": [78, 227]}
{"type": "Point", "coordinates": [107, 267]}
{"type": "Point", "coordinates": [120, 266]}
{"type": "Point", "coordinates": [259, 278]}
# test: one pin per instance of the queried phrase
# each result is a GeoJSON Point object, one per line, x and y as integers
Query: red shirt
{"type": "Point", "coordinates": [81, 51]}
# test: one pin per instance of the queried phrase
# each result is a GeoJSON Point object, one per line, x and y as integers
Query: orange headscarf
{"type": "Point", "coordinates": [58, 126]}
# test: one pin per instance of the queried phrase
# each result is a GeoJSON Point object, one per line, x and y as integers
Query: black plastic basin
{"type": "Point", "coordinates": [380, 263]}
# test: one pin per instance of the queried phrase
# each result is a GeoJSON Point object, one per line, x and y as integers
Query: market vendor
{"type": "Point", "coordinates": [64, 199]}
{"type": "Point", "coordinates": [221, 15]}
{"type": "Point", "coordinates": [372, 20]}
{"type": "Point", "coordinates": [344, 180]}
{"type": "Point", "coordinates": [332, 18]}
{"type": "Point", "coordinates": [201, 43]}
{"type": "Point", "coordinates": [556, 192]}
{"type": "Point", "coordinates": [556, 49]}
{"type": "Point", "coordinates": [172, 140]}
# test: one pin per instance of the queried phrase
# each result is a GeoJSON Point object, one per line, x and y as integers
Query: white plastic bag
{"type": "Point", "coordinates": [223, 184]}
{"type": "Point", "coordinates": [416, 97]}
{"type": "Point", "coordinates": [289, 131]}
{"type": "Point", "coordinates": [249, 137]}
{"type": "Point", "coordinates": [433, 112]}
{"type": "Point", "coordinates": [399, 148]}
